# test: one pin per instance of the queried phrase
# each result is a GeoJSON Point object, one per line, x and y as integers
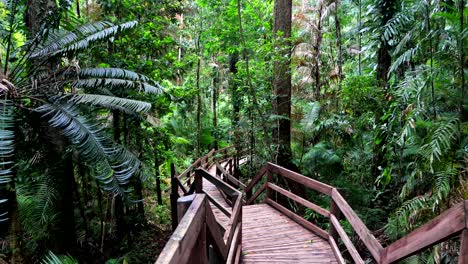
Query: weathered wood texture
{"type": "Point", "coordinates": [269, 236]}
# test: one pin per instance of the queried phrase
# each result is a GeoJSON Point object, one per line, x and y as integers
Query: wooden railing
{"type": "Point", "coordinates": [451, 223]}
{"type": "Point", "coordinates": [184, 180]}
{"type": "Point", "coordinates": [198, 231]}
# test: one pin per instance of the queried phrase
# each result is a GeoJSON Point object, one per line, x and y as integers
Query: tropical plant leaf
{"type": "Point", "coordinates": [110, 102]}
{"type": "Point", "coordinates": [109, 162]}
{"type": "Point", "coordinates": [7, 137]}
{"type": "Point", "coordinates": [61, 43]}
{"type": "Point", "coordinates": [118, 83]}
{"type": "Point", "coordinates": [51, 258]}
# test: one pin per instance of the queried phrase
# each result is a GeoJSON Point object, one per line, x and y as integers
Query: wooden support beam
{"type": "Point", "coordinates": [216, 232]}
{"type": "Point", "coordinates": [183, 203]}
{"type": "Point", "coordinates": [336, 250]}
{"type": "Point", "coordinates": [256, 194]}
{"type": "Point", "coordinates": [344, 237]}
{"type": "Point", "coordinates": [374, 247]}
{"type": "Point", "coordinates": [258, 176]}
{"type": "Point", "coordinates": [299, 199]}
{"type": "Point", "coordinates": [463, 257]}
{"type": "Point", "coordinates": [308, 182]}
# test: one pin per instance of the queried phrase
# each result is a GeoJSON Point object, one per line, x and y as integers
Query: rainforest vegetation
{"type": "Point", "coordinates": [99, 97]}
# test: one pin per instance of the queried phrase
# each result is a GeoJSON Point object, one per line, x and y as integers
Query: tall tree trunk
{"type": "Point", "coordinates": [282, 81]}
{"type": "Point", "coordinates": [236, 99]}
{"type": "Point", "coordinates": [318, 44]}
{"type": "Point", "coordinates": [384, 61]}
{"type": "Point", "coordinates": [338, 43]}
{"type": "Point", "coordinates": [199, 108]}
{"type": "Point", "coordinates": [214, 98]}
{"type": "Point", "coordinates": [462, 109]}
{"type": "Point", "coordinates": [360, 37]}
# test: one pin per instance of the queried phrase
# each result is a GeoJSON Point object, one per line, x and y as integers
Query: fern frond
{"type": "Point", "coordinates": [312, 116]}
{"type": "Point", "coordinates": [51, 258]}
{"type": "Point", "coordinates": [80, 38]}
{"type": "Point", "coordinates": [440, 140]}
{"type": "Point", "coordinates": [110, 102]}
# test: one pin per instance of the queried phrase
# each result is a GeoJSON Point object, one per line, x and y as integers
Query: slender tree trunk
{"type": "Point", "coordinates": [338, 43]}
{"type": "Point", "coordinates": [15, 231]}
{"type": "Point", "coordinates": [431, 57]}
{"type": "Point", "coordinates": [214, 98]}
{"type": "Point", "coordinates": [384, 61]}
{"type": "Point", "coordinates": [199, 108]}
{"type": "Point", "coordinates": [462, 110]}
{"type": "Point", "coordinates": [119, 204]}
{"type": "Point", "coordinates": [360, 38]}
{"type": "Point", "coordinates": [236, 99]}
{"type": "Point", "coordinates": [317, 46]}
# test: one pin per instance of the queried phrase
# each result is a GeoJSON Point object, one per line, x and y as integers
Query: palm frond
{"type": "Point", "coordinates": [112, 164]}
{"type": "Point", "coordinates": [117, 83]}
{"type": "Point", "coordinates": [6, 148]}
{"type": "Point", "coordinates": [51, 258]}
{"type": "Point", "coordinates": [61, 42]}
{"type": "Point", "coordinates": [110, 102]}
{"type": "Point", "coordinates": [114, 73]}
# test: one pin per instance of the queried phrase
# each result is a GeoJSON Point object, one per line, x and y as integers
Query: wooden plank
{"type": "Point", "coordinates": [256, 194]}
{"type": "Point", "coordinates": [182, 241]}
{"type": "Point", "coordinates": [216, 232]}
{"type": "Point", "coordinates": [255, 179]}
{"type": "Point", "coordinates": [446, 225]}
{"type": "Point", "coordinates": [463, 257]}
{"type": "Point", "coordinates": [300, 200]}
{"type": "Point", "coordinates": [192, 166]}
{"type": "Point", "coordinates": [234, 245]}
{"type": "Point", "coordinates": [218, 205]}
{"type": "Point", "coordinates": [298, 219]}
{"type": "Point", "coordinates": [344, 237]}
{"type": "Point", "coordinates": [336, 250]}
{"type": "Point", "coordinates": [234, 221]}
{"type": "Point", "coordinates": [374, 247]}
{"type": "Point", "coordinates": [313, 184]}
{"type": "Point", "coordinates": [217, 182]}
{"type": "Point", "coordinates": [334, 210]}
{"type": "Point", "coordinates": [238, 254]}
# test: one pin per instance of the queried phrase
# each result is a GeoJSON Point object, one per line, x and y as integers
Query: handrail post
{"type": "Point", "coordinates": [335, 211]}
{"type": "Point", "coordinates": [198, 182]}
{"type": "Point", "coordinates": [463, 257]}
{"type": "Point", "coordinates": [174, 196]}
{"type": "Point", "coordinates": [183, 203]}
{"type": "Point", "coordinates": [269, 178]}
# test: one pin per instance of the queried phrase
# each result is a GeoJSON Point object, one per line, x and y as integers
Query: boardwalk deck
{"type": "Point", "coordinates": [268, 236]}
{"type": "Point", "coordinates": [271, 233]}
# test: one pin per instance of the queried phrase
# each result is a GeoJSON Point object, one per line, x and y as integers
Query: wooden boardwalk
{"type": "Point", "coordinates": [221, 225]}
{"type": "Point", "coordinates": [268, 236]}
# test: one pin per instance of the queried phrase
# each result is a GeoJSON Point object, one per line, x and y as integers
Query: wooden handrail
{"type": "Point", "coordinates": [451, 223]}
